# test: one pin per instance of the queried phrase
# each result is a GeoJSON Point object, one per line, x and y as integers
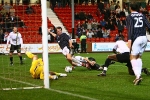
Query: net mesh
{"type": "Point", "coordinates": [28, 24]}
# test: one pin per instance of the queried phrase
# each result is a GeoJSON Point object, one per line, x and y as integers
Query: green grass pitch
{"type": "Point", "coordinates": [80, 84]}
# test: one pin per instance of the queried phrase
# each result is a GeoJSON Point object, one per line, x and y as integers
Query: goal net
{"type": "Point", "coordinates": [29, 24]}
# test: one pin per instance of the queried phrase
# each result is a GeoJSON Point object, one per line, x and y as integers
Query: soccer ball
{"type": "Point", "coordinates": [68, 69]}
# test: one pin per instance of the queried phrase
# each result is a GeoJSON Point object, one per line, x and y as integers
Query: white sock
{"type": "Point", "coordinates": [135, 68]}
{"type": "Point", "coordinates": [105, 68]}
{"type": "Point", "coordinates": [139, 60]}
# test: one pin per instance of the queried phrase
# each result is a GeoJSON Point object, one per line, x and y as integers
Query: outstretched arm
{"type": "Point", "coordinates": [53, 34]}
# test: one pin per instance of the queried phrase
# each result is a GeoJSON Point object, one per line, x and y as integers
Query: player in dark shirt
{"type": "Point", "coordinates": [64, 42]}
{"type": "Point", "coordinates": [137, 40]}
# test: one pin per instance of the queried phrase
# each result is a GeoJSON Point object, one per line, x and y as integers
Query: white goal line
{"type": "Point", "coordinates": [33, 86]}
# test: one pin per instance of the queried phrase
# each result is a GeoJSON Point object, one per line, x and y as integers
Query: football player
{"type": "Point", "coordinates": [36, 69]}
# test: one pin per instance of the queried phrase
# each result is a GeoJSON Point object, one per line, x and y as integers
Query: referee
{"type": "Point", "coordinates": [16, 41]}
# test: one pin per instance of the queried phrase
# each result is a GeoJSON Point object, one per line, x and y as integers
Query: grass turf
{"type": "Point", "coordinates": [83, 84]}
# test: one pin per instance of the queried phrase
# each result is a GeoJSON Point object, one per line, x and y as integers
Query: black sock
{"type": "Point", "coordinates": [11, 59]}
{"type": "Point", "coordinates": [20, 58]}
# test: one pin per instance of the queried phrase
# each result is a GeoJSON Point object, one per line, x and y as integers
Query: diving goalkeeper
{"type": "Point", "coordinates": [36, 69]}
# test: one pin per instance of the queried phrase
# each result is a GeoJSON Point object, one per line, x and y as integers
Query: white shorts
{"type": "Point", "coordinates": [65, 51]}
{"type": "Point", "coordinates": [139, 45]}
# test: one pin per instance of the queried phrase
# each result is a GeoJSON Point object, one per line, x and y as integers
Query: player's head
{"type": "Point", "coordinates": [119, 38]}
{"type": "Point", "coordinates": [91, 59]}
{"type": "Point", "coordinates": [15, 30]}
{"type": "Point", "coordinates": [59, 30]}
{"type": "Point", "coordinates": [134, 7]}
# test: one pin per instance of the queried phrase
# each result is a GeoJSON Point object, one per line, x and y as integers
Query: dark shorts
{"type": "Point", "coordinates": [15, 47]}
{"type": "Point", "coordinates": [124, 57]}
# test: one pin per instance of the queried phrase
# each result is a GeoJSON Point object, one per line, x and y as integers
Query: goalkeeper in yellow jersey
{"type": "Point", "coordinates": [36, 69]}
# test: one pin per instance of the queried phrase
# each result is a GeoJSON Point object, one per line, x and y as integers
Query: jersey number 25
{"type": "Point", "coordinates": [139, 22]}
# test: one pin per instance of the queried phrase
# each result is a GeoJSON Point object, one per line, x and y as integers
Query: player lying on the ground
{"type": "Point", "coordinates": [88, 62]}
{"type": "Point", "coordinates": [121, 55]}
{"type": "Point", "coordinates": [36, 69]}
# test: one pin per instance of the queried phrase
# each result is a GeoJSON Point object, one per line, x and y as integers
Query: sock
{"type": "Point", "coordinates": [11, 59]}
{"type": "Point", "coordinates": [29, 54]}
{"type": "Point", "coordinates": [20, 58]}
{"type": "Point", "coordinates": [139, 60]}
{"type": "Point", "coordinates": [105, 69]}
{"type": "Point", "coordinates": [135, 67]}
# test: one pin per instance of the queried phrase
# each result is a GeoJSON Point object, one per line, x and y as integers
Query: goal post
{"type": "Point", "coordinates": [45, 43]}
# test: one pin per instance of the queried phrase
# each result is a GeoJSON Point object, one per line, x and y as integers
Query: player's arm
{"type": "Point", "coordinates": [21, 40]}
{"type": "Point", "coordinates": [53, 34]}
{"type": "Point", "coordinates": [147, 22]}
{"type": "Point", "coordinates": [91, 62]}
{"type": "Point", "coordinates": [8, 39]}
{"type": "Point", "coordinates": [70, 43]}
{"type": "Point", "coordinates": [130, 30]}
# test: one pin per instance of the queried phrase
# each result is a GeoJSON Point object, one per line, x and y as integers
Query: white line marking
{"type": "Point", "coordinates": [59, 91]}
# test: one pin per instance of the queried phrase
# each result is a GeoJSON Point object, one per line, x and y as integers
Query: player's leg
{"type": "Point", "coordinates": [138, 48]}
{"type": "Point", "coordinates": [66, 52]}
{"type": "Point", "coordinates": [11, 54]}
{"type": "Point", "coordinates": [108, 61]}
{"type": "Point", "coordinates": [19, 53]}
{"type": "Point", "coordinates": [58, 74]}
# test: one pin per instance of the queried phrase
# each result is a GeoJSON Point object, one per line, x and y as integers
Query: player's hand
{"type": "Point", "coordinates": [92, 63]}
{"type": "Point", "coordinates": [49, 30]}
{"type": "Point", "coordinates": [71, 46]}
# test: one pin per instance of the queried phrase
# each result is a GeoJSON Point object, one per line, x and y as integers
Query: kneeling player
{"type": "Point", "coordinates": [121, 55]}
{"type": "Point", "coordinates": [36, 69]}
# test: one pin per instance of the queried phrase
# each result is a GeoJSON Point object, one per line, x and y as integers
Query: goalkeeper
{"type": "Point", "coordinates": [36, 69]}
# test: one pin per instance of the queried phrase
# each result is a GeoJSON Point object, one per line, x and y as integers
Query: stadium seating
{"type": "Point", "coordinates": [32, 22]}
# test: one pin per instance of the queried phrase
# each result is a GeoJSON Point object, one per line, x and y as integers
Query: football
{"type": "Point", "coordinates": [68, 69]}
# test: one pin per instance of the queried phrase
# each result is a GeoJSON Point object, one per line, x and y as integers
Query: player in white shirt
{"type": "Point", "coordinates": [16, 41]}
{"type": "Point", "coordinates": [88, 62]}
{"type": "Point", "coordinates": [122, 55]}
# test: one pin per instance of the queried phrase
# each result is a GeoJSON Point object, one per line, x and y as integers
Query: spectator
{"type": "Point", "coordinates": [112, 26]}
{"type": "Point", "coordinates": [4, 12]}
{"type": "Point", "coordinates": [112, 6]}
{"type": "Point", "coordinates": [103, 22]}
{"type": "Point", "coordinates": [82, 15]}
{"type": "Point", "coordinates": [1, 36]}
{"type": "Point", "coordinates": [90, 34]}
{"type": "Point", "coordinates": [99, 33]}
{"type": "Point", "coordinates": [120, 26]}
{"type": "Point", "coordinates": [76, 47]}
{"type": "Point", "coordinates": [52, 4]}
{"type": "Point", "coordinates": [29, 10]}
{"type": "Point", "coordinates": [101, 6]}
{"type": "Point", "coordinates": [2, 25]}
{"type": "Point", "coordinates": [89, 16]}
{"type": "Point", "coordinates": [86, 2]}
{"type": "Point", "coordinates": [59, 3]}
{"type": "Point", "coordinates": [83, 42]}
{"type": "Point", "coordinates": [89, 25]}
{"type": "Point", "coordinates": [17, 1]}
{"type": "Point", "coordinates": [84, 25]}
{"type": "Point", "coordinates": [77, 16]}
{"type": "Point", "coordinates": [94, 24]}
{"type": "Point", "coordinates": [7, 7]}
{"type": "Point", "coordinates": [79, 31]}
